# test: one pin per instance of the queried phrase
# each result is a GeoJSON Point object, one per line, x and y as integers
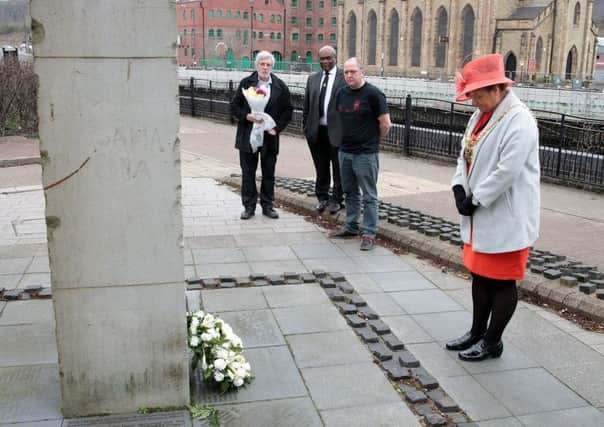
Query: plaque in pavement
{"type": "Point", "coordinates": [160, 419]}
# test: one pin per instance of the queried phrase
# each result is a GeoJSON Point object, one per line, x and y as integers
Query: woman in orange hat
{"type": "Point", "coordinates": [497, 194]}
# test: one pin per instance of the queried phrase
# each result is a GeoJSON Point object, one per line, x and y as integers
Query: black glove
{"type": "Point", "coordinates": [460, 195]}
{"type": "Point", "coordinates": [466, 207]}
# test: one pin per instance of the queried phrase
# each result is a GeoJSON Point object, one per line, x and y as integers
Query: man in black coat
{"type": "Point", "coordinates": [322, 130]}
{"type": "Point", "coordinates": [279, 107]}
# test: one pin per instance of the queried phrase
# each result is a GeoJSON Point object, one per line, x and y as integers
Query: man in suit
{"type": "Point", "coordinates": [320, 123]}
{"type": "Point", "coordinates": [279, 107]}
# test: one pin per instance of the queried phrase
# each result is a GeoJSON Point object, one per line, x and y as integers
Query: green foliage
{"type": "Point", "coordinates": [205, 412]}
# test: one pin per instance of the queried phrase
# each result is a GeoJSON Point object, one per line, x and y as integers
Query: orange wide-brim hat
{"type": "Point", "coordinates": [485, 71]}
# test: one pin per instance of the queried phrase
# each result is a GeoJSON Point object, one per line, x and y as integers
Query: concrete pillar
{"type": "Point", "coordinates": [111, 170]}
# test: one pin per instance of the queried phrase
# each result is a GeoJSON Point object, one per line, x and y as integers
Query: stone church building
{"type": "Point", "coordinates": [539, 39]}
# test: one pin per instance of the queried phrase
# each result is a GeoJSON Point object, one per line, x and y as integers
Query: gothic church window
{"type": "Point", "coordinates": [394, 36]}
{"type": "Point", "coordinates": [372, 39]}
{"type": "Point", "coordinates": [416, 39]}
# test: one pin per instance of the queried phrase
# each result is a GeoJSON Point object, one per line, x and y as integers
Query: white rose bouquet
{"type": "Point", "coordinates": [219, 350]}
{"type": "Point", "coordinates": [256, 99]}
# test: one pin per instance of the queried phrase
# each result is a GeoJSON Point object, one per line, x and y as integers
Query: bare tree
{"type": "Point", "coordinates": [18, 97]}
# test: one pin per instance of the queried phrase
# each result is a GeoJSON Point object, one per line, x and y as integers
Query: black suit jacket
{"type": "Point", "coordinates": [310, 113]}
{"type": "Point", "coordinates": [279, 107]}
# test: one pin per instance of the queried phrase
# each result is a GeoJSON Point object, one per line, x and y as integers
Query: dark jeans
{"type": "Point", "coordinates": [249, 192]}
{"type": "Point", "coordinates": [324, 156]}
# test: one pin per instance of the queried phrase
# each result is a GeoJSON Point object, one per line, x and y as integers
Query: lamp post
{"type": "Point", "coordinates": [251, 30]}
{"type": "Point", "coordinates": [382, 66]}
{"type": "Point", "coordinates": [203, 33]}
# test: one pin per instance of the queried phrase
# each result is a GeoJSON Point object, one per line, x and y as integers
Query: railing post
{"type": "Point", "coordinates": [561, 141]}
{"type": "Point", "coordinates": [451, 128]}
{"type": "Point", "coordinates": [211, 97]}
{"type": "Point", "coordinates": [192, 95]}
{"type": "Point", "coordinates": [407, 138]}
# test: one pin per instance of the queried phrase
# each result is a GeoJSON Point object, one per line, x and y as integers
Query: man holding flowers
{"type": "Point", "coordinates": [263, 109]}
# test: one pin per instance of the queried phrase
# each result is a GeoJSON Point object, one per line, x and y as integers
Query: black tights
{"type": "Point", "coordinates": [494, 298]}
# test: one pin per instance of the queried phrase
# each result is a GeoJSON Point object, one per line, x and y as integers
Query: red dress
{"type": "Point", "coordinates": [500, 266]}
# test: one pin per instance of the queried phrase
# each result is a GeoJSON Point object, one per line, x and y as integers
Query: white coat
{"type": "Point", "coordinates": [504, 179]}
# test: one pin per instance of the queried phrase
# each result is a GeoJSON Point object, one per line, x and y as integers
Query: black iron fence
{"type": "Point", "coordinates": [571, 147]}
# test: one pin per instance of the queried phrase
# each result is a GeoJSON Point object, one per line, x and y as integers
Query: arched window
{"type": "Point", "coordinates": [372, 39]}
{"type": "Point", "coordinates": [577, 15]}
{"type": "Point", "coordinates": [309, 57]}
{"type": "Point", "coordinates": [394, 36]}
{"type": "Point", "coordinates": [192, 35]}
{"type": "Point", "coordinates": [416, 38]}
{"type": "Point", "coordinates": [352, 35]}
{"type": "Point", "coordinates": [510, 66]}
{"type": "Point", "coordinates": [211, 33]}
{"type": "Point", "coordinates": [193, 15]}
{"type": "Point", "coordinates": [440, 51]}
{"type": "Point", "coordinates": [467, 40]}
{"type": "Point", "coordinates": [184, 35]}
{"type": "Point", "coordinates": [294, 56]}
{"type": "Point", "coordinates": [538, 53]}
{"type": "Point", "coordinates": [571, 63]}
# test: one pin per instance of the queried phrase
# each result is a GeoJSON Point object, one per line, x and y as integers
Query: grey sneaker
{"type": "Point", "coordinates": [368, 243]}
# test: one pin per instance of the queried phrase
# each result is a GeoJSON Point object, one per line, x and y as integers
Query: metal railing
{"type": "Point", "coordinates": [571, 147]}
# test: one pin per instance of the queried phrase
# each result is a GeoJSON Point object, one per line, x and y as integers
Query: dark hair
{"type": "Point", "coordinates": [502, 87]}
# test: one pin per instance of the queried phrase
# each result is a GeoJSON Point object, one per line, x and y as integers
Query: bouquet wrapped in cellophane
{"type": "Point", "coordinates": [256, 99]}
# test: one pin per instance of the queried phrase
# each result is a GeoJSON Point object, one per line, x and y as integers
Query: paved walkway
{"type": "Point", "coordinates": [310, 368]}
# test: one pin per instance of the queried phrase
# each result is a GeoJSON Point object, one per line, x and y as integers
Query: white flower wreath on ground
{"type": "Point", "coordinates": [219, 350]}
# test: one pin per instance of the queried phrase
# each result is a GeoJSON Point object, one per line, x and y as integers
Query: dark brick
{"type": "Point", "coordinates": [382, 215]}
{"type": "Point", "coordinates": [355, 299]}
{"type": "Point", "coordinates": [552, 274]}
{"type": "Point", "coordinates": [226, 278]}
{"type": "Point", "coordinates": [600, 294]}
{"type": "Point", "coordinates": [260, 283]}
{"type": "Point", "coordinates": [355, 321]}
{"type": "Point", "coordinates": [436, 393]}
{"type": "Point", "coordinates": [401, 222]}
{"type": "Point", "coordinates": [293, 282]}
{"type": "Point", "coordinates": [393, 342]}
{"type": "Point", "coordinates": [588, 288]}
{"type": "Point", "coordinates": [337, 277]}
{"type": "Point", "coordinates": [380, 351]}
{"type": "Point", "coordinates": [24, 296]}
{"type": "Point", "coordinates": [327, 283]}
{"type": "Point", "coordinates": [537, 269]}
{"type": "Point", "coordinates": [456, 241]}
{"type": "Point", "coordinates": [416, 396]}
{"type": "Point", "coordinates": [367, 335]}
{"type": "Point", "coordinates": [427, 381]}
{"type": "Point", "coordinates": [335, 295]}
{"type": "Point", "coordinates": [424, 409]}
{"type": "Point", "coordinates": [243, 281]}
{"type": "Point", "coordinates": [2, 289]}
{"type": "Point", "coordinates": [395, 371]}
{"type": "Point", "coordinates": [459, 418]}
{"type": "Point", "coordinates": [446, 404]}
{"type": "Point", "coordinates": [45, 293]}
{"type": "Point", "coordinates": [308, 278]}
{"type": "Point", "coordinates": [407, 359]}
{"type": "Point", "coordinates": [193, 280]}
{"type": "Point", "coordinates": [435, 420]}
{"type": "Point", "coordinates": [290, 276]}
{"type": "Point", "coordinates": [346, 287]}
{"type": "Point", "coordinates": [405, 388]}
{"type": "Point", "coordinates": [595, 275]}
{"type": "Point", "coordinates": [569, 281]}
{"type": "Point", "coordinates": [194, 287]}
{"type": "Point", "coordinates": [257, 276]}
{"type": "Point", "coordinates": [367, 312]}
{"type": "Point", "coordinates": [346, 308]}
{"type": "Point", "coordinates": [209, 283]}
{"type": "Point", "coordinates": [12, 295]}
{"type": "Point", "coordinates": [581, 277]}
{"type": "Point", "coordinates": [445, 237]}
{"type": "Point", "coordinates": [414, 225]}
{"type": "Point", "coordinates": [379, 326]}
{"type": "Point", "coordinates": [392, 219]}
{"type": "Point", "coordinates": [432, 232]}
{"type": "Point", "coordinates": [599, 283]}
{"type": "Point", "coordinates": [227, 285]}
{"type": "Point", "coordinates": [276, 279]}
{"type": "Point", "coordinates": [319, 273]}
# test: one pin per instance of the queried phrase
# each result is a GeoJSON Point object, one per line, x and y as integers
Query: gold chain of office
{"type": "Point", "coordinates": [471, 141]}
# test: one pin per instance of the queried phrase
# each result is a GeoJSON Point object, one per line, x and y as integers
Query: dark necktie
{"type": "Point", "coordinates": [322, 94]}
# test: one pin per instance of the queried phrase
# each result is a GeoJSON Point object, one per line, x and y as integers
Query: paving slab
{"type": "Point", "coordinates": [382, 264]}
{"type": "Point", "coordinates": [426, 301]}
{"type": "Point", "coordinates": [29, 393]}
{"type": "Point", "coordinates": [511, 359]}
{"type": "Point", "coordinates": [350, 385]}
{"type": "Point", "coordinates": [172, 419]}
{"type": "Point", "coordinates": [407, 329]}
{"type": "Point", "coordinates": [295, 295]}
{"type": "Point", "coordinates": [502, 422]}
{"type": "Point", "coordinates": [218, 300]}
{"type": "Point", "coordinates": [46, 423]}
{"type": "Point", "coordinates": [309, 319]}
{"type": "Point", "coordinates": [585, 379]}
{"type": "Point", "coordinates": [383, 304]}
{"type": "Point", "coordinates": [28, 312]}
{"type": "Point", "coordinates": [401, 281]}
{"type": "Point", "coordinates": [528, 391]}
{"type": "Point", "coordinates": [308, 250]}
{"type": "Point", "coordinates": [447, 281]}
{"type": "Point", "coordinates": [27, 344]}
{"type": "Point", "coordinates": [200, 242]}
{"type": "Point", "coordinates": [352, 249]}
{"type": "Point", "coordinates": [278, 267]}
{"type": "Point", "coordinates": [473, 398]}
{"type": "Point", "coordinates": [39, 265]}
{"type": "Point", "coordinates": [257, 328]}
{"type": "Point", "coordinates": [269, 253]}
{"type": "Point", "coordinates": [362, 283]}
{"type": "Point", "coordinates": [14, 265]}
{"type": "Point", "coordinates": [587, 416]}
{"type": "Point", "coordinates": [343, 265]}
{"type": "Point", "coordinates": [384, 415]}
{"type": "Point", "coordinates": [41, 279]}
{"type": "Point", "coordinates": [218, 255]}
{"type": "Point", "coordinates": [276, 377]}
{"type": "Point", "coordinates": [274, 413]}
{"type": "Point", "coordinates": [328, 349]}
{"type": "Point", "coordinates": [436, 360]}
{"type": "Point", "coordinates": [9, 281]}
{"type": "Point", "coordinates": [445, 326]}
{"type": "Point", "coordinates": [220, 269]}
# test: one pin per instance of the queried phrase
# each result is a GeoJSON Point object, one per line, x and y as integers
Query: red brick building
{"type": "Point", "coordinates": [216, 33]}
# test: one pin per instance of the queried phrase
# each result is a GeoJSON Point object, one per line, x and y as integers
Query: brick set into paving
{"type": "Point", "coordinates": [426, 235]}
{"type": "Point", "coordinates": [420, 389]}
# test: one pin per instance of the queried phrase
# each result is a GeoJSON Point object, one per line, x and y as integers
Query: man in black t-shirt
{"type": "Point", "coordinates": [364, 119]}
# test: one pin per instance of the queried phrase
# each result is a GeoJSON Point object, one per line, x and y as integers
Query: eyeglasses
{"type": "Point", "coordinates": [325, 58]}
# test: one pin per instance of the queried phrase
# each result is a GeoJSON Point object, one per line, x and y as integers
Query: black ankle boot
{"type": "Point", "coordinates": [464, 342]}
{"type": "Point", "coordinates": [481, 350]}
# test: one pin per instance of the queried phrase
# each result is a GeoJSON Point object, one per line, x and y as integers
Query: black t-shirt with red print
{"type": "Point", "coordinates": [359, 110]}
